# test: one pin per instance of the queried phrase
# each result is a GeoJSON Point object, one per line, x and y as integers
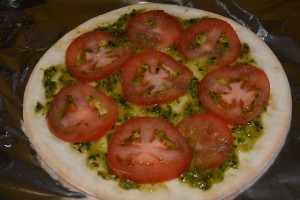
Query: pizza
{"type": "Point", "coordinates": [158, 101]}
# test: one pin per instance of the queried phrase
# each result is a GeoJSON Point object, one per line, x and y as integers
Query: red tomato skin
{"type": "Point", "coordinates": [123, 53]}
{"type": "Point", "coordinates": [214, 28]}
{"type": "Point", "coordinates": [132, 92]}
{"type": "Point", "coordinates": [257, 79]}
{"type": "Point", "coordinates": [210, 138]}
{"type": "Point", "coordinates": [159, 36]}
{"type": "Point", "coordinates": [95, 128]}
{"type": "Point", "coordinates": [167, 167]}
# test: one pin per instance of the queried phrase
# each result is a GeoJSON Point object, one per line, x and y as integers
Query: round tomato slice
{"type": "Point", "coordinates": [90, 57]}
{"type": "Point", "coordinates": [153, 77]}
{"type": "Point", "coordinates": [81, 113]}
{"type": "Point", "coordinates": [236, 94]}
{"type": "Point", "coordinates": [154, 30]}
{"type": "Point", "coordinates": [209, 137]}
{"type": "Point", "coordinates": [211, 37]}
{"type": "Point", "coordinates": [148, 150]}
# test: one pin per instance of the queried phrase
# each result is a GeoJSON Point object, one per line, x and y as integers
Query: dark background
{"type": "Point", "coordinates": [29, 27]}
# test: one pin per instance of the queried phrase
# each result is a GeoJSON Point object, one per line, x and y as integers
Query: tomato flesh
{"type": "Point", "coordinates": [153, 77]}
{"type": "Point", "coordinates": [213, 29]}
{"type": "Point", "coordinates": [81, 113]}
{"type": "Point", "coordinates": [154, 30]}
{"type": "Point", "coordinates": [148, 150]}
{"type": "Point", "coordinates": [210, 139]}
{"type": "Point", "coordinates": [98, 59]}
{"type": "Point", "coordinates": [236, 94]}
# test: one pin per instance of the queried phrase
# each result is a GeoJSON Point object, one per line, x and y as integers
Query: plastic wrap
{"type": "Point", "coordinates": [28, 28]}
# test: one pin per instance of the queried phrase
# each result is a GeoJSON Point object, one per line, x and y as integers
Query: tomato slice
{"type": "Point", "coordinates": [153, 77]}
{"type": "Point", "coordinates": [211, 37]}
{"type": "Point", "coordinates": [148, 150]}
{"type": "Point", "coordinates": [236, 94]}
{"type": "Point", "coordinates": [209, 137]}
{"type": "Point", "coordinates": [154, 30]}
{"type": "Point", "coordinates": [90, 57]}
{"type": "Point", "coordinates": [81, 113]}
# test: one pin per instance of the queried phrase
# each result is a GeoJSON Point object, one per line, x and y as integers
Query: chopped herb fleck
{"type": "Point", "coordinates": [38, 107]}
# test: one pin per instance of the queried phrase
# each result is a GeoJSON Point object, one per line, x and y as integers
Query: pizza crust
{"type": "Point", "coordinates": [69, 166]}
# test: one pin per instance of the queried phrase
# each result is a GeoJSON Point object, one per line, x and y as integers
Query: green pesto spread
{"type": "Point", "coordinates": [244, 139]}
{"type": "Point", "coordinates": [245, 136]}
{"type": "Point", "coordinates": [55, 77]}
{"type": "Point", "coordinates": [204, 179]}
{"type": "Point", "coordinates": [119, 27]}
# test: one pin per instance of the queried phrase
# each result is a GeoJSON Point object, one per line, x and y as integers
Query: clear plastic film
{"type": "Point", "coordinates": [28, 28]}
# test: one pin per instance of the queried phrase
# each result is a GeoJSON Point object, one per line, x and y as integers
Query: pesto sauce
{"type": "Point", "coordinates": [186, 23]}
{"type": "Point", "coordinates": [246, 136]}
{"type": "Point", "coordinates": [173, 111]}
{"type": "Point", "coordinates": [204, 179]}
{"type": "Point", "coordinates": [38, 107]}
{"type": "Point", "coordinates": [97, 160]}
{"type": "Point", "coordinates": [49, 85]}
{"type": "Point", "coordinates": [244, 58]}
{"type": "Point", "coordinates": [55, 77]}
{"type": "Point", "coordinates": [119, 27]}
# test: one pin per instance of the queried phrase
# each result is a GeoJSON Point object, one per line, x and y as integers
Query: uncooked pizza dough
{"type": "Point", "coordinates": [69, 166]}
